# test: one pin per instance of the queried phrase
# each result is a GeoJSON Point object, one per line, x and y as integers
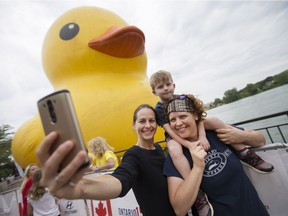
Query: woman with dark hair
{"type": "Point", "coordinates": [141, 169]}
{"type": "Point", "coordinates": [218, 171]}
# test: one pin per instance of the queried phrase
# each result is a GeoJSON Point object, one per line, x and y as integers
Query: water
{"type": "Point", "coordinates": [265, 103]}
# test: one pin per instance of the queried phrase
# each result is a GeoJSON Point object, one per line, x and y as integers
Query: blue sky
{"type": "Point", "coordinates": [208, 46]}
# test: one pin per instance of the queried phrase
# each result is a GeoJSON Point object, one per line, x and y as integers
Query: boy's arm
{"type": "Point", "coordinates": [202, 136]}
{"type": "Point", "coordinates": [213, 123]}
{"type": "Point", "coordinates": [175, 137]}
{"type": "Point", "coordinates": [175, 150]}
{"type": "Point", "coordinates": [234, 135]}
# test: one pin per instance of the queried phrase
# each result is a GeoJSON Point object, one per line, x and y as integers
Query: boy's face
{"type": "Point", "coordinates": [164, 90]}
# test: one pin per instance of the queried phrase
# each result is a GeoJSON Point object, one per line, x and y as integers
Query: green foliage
{"type": "Point", "coordinates": [6, 164]}
{"type": "Point", "coordinates": [230, 96]}
{"type": "Point", "coordinates": [5, 144]}
{"type": "Point", "coordinates": [217, 102]}
{"type": "Point", "coordinates": [251, 89]}
{"type": "Point", "coordinates": [281, 79]}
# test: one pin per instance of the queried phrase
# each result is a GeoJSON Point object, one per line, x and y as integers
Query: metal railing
{"type": "Point", "coordinates": [279, 127]}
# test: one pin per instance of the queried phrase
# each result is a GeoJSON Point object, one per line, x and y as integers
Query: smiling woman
{"type": "Point", "coordinates": [141, 169]}
{"type": "Point", "coordinates": [218, 172]}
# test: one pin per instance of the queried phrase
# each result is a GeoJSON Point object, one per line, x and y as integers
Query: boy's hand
{"type": "Point", "coordinates": [230, 136]}
{"type": "Point", "coordinates": [204, 143]}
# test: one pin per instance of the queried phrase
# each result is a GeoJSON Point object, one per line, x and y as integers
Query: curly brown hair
{"type": "Point", "coordinates": [195, 106]}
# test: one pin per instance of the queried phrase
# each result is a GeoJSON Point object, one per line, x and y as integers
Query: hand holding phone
{"type": "Point", "coordinates": [57, 114]}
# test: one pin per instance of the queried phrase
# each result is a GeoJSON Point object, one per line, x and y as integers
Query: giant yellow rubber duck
{"type": "Point", "coordinates": [102, 61]}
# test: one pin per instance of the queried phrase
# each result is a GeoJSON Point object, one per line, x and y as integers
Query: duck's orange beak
{"type": "Point", "coordinates": [122, 42]}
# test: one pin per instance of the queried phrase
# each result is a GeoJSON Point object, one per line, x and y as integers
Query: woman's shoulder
{"type": "Point", "coordinates": [132, 149]}
{"type": "Point", "coordinates": [109, 151]}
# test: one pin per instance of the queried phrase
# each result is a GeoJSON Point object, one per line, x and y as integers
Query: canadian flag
{"type": "Point", "coordinates": [114, 207]}
{"type": "Point", "coordinates": [101, 208]}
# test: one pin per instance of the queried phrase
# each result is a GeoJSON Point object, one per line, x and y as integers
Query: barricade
{"type": "Point", "coordinates": [127, 205]}
{"type": "Point", "coordinates": [9, 203]}
{"type": "Point", "coordinates": [272, 189]}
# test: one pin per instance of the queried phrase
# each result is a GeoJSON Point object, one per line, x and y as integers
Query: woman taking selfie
{"type": "Point", "coordinates": [141, 169]}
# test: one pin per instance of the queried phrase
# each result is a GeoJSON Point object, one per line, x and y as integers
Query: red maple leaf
{"type": "Point", "coordinates": [101, 211]}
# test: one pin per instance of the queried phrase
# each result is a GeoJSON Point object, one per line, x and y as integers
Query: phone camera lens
{"type": "Point", "coordinates": [51, 111]}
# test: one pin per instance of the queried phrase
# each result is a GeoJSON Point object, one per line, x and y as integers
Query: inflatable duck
{"type": "Point", "coordinates": [101, 60]}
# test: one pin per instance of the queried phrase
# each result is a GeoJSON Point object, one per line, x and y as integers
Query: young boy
{"type": "Point", "coordinates": [163, 86]}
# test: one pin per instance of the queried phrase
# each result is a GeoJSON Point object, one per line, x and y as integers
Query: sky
{"type": "Point", "coordinates": [208, 46]}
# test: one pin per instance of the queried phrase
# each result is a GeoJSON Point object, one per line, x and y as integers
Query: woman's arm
{"type": "Point", "coordinates": [109, 165]}
{"type": "Point", "coordinates": [69, 183]}
{"type": "Point", "coordinates": [110, 159]}
{"type": "Point", "coordinates": [29, 209]}
{"type": "Point", "coordinates": [183, 193]}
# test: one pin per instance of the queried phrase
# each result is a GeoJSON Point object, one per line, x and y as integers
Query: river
{"type": "Point", "coordinates": [262, 104]}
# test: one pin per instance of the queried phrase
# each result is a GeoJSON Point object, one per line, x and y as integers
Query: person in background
{"type": "Point", "coordinates": [218, 172]}
{"type": "Point", "coordinates": [26, 185]}
{"type": "Point", "coordinates": [40, 201]}
{"type": "Point", "coordinates": [102, 155]}
{"type": "Point", "coordinates": [141, 169]}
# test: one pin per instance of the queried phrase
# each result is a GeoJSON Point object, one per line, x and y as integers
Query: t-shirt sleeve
{"type": "Point", "coordinates": [170, 169]}
{"type": "Point", "coordinates": [127, 172]}
{"type": "Point", "coordinates": [109, 154]}
{"type": "Point", "coordinates": [160, 116]}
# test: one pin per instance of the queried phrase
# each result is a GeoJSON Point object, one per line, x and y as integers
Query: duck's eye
{"type": "Point", "coordinates": [69, 31]}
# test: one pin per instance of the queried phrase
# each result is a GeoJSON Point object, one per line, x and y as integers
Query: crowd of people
{"type": "Point", "coordinates": [202, 173]}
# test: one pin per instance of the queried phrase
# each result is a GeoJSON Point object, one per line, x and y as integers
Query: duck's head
{"type": "Point", "coordinates": [89, 40]}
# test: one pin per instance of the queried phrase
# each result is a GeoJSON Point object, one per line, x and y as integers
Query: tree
{"type": "Point", "coordinates": [251, 89]}
{"type": "Point", "coordinates": [5, 150]}
{"type": "Point", "coordinates": [230, 95]}
{"type": "Point", "coordinates": [5, 144]}
{"type": "Point", "coordinates": [281, 79]}
{"type": "Point", "coordinates": [217, 102]}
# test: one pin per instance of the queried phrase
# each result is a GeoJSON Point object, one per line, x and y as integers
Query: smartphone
{"type": "Point", "coordinates": [57, 113]}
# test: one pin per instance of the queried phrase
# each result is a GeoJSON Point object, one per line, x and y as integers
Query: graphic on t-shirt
{"type": "Point", "coordinates": [215, 162]}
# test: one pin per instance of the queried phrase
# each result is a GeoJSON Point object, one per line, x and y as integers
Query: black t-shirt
{"type": "Point", "coordinates": [142, 170]}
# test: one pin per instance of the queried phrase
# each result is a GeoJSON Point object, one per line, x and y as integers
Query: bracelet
{"type": "Point", "coordinates": [168, 139]}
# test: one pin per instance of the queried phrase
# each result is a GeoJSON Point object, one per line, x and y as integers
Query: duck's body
{"type": "Point", "coordinates": [102, 61]}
